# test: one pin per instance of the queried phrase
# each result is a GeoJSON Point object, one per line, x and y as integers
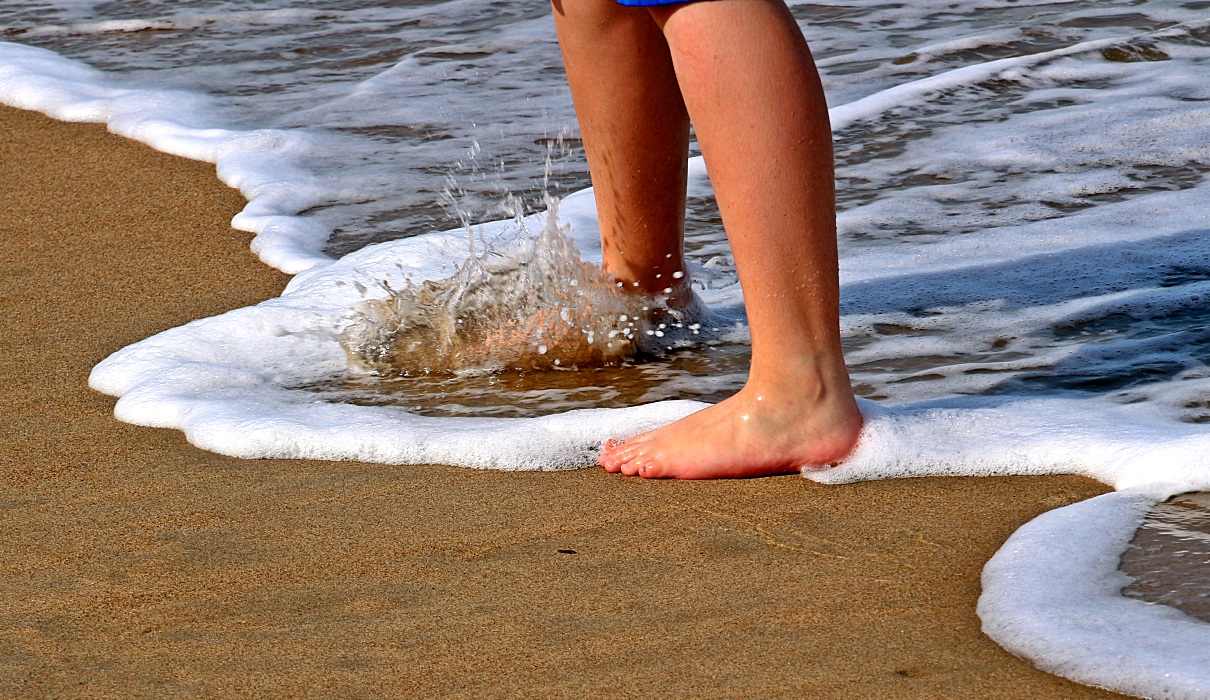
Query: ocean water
{"type": "Point", "coordinates": [1025, 258]}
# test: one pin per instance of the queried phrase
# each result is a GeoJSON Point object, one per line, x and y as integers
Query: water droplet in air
{"type": "Point", "coordinates": [493, 312]}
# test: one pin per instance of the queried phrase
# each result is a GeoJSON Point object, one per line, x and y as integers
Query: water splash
{"type": "Point", "coordinates": [526, 303]}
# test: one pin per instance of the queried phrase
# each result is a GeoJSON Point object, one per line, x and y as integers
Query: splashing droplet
{"type": "Point", "coordinates": [525, 294]}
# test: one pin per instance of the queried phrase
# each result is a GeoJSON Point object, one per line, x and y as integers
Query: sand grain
{"type": "Point", "coordinates": [134, 565]}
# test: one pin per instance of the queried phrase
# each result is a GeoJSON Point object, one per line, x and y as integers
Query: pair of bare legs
{"type": "Point", "coordinates": [742, 70]}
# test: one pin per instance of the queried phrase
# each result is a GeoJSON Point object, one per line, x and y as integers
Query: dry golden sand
{"type": "Point", "coordinates": [134, 565]}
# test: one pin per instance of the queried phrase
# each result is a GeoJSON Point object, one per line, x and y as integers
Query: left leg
{"type": "Point", "coordinates": [636, 137]}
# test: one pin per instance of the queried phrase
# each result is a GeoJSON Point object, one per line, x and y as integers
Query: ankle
{"type": "Point", "coordinates": [673, 303]}
{"type": "Point", "coordinates": [818, 378]}
{"type": "Point", "coordinates": [651, 277]}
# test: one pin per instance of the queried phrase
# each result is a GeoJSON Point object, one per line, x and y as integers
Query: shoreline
{"type": "Point", "coordinates": [136, 564]}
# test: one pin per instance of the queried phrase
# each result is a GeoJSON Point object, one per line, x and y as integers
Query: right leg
{"type": "Point", "coordinates": [758, 108]}
{"type": "Point", "coordinates": [636, 136]}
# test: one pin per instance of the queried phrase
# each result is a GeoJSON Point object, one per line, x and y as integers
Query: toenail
{"type": "Point", "coordinates": [821, 467]}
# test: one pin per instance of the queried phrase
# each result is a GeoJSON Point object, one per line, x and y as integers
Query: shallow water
{"type": "Point", "coordinates": [703, 373]}
{"type": "Point", "coordinates": [405, 95]}
{"type": "Point", "coordinates": [422, 116]}
{"type": "Point", "coordinates": [1169, 557]}
{"type": "Point", "coordinates": [424, 112]}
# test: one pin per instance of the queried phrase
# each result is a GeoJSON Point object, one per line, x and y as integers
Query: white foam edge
{"type": "Point", "coordinates": [1114, 444]}
{"type": "Point", "coordinates": [1052, 594]}
{"type": "Point", "coordinates": [923, 89]}
{"type": "Point", "coordinates": [262, 164]}
{"type": "Point", "coordinates": [219, 379]}
{"type": "Point", "coordinates": [194, 21]}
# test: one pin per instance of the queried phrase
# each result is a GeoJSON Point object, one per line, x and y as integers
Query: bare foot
{"type": "Point", "coordinates": [777, 429]}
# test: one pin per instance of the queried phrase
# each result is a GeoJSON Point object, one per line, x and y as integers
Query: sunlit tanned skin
{"type": "Point", "coordinates": [742, 71]}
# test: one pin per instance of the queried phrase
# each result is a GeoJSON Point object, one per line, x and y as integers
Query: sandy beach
{"type": "Point", "coordinates": [135, 565]}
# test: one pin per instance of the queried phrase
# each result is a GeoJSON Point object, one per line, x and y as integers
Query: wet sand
{"type": "Point", "coordinates": [1169, 557]}
{"type": "Point", "coordinates": [133, 564]}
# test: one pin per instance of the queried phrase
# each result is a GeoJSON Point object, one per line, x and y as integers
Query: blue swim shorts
{"type": "Point", "coordinates": [649, 3]}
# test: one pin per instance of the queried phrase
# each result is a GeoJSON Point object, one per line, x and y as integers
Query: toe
{"type": "Point", "coordinates": [651, 469]}
{"type": "Point", "coordinates": [631, 459]}
{"type": "Point", "coordinates": [609, 457]}
{"type": "Point", "coordinates": [626, 457]}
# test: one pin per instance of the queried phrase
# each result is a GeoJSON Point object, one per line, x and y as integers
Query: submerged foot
{"type": "Point", "coordinates": [757, 432]}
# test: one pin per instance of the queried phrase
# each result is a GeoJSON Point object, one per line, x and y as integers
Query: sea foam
{"type": "Point", "coordinates": [1023, 271]}
{"type": "Point", "coordinates": [263, 164]}
{"type": "Point", "coordinates": [224, 380]}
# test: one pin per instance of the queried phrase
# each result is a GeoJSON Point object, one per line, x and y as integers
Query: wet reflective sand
{"type": "Point", "coordinates": [1169, 557]}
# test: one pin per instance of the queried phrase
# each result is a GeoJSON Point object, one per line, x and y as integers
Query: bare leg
{"type": "Point", "coordinates": [750, 85]}
{"type": "Point", "coordinates": [636, 136]}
